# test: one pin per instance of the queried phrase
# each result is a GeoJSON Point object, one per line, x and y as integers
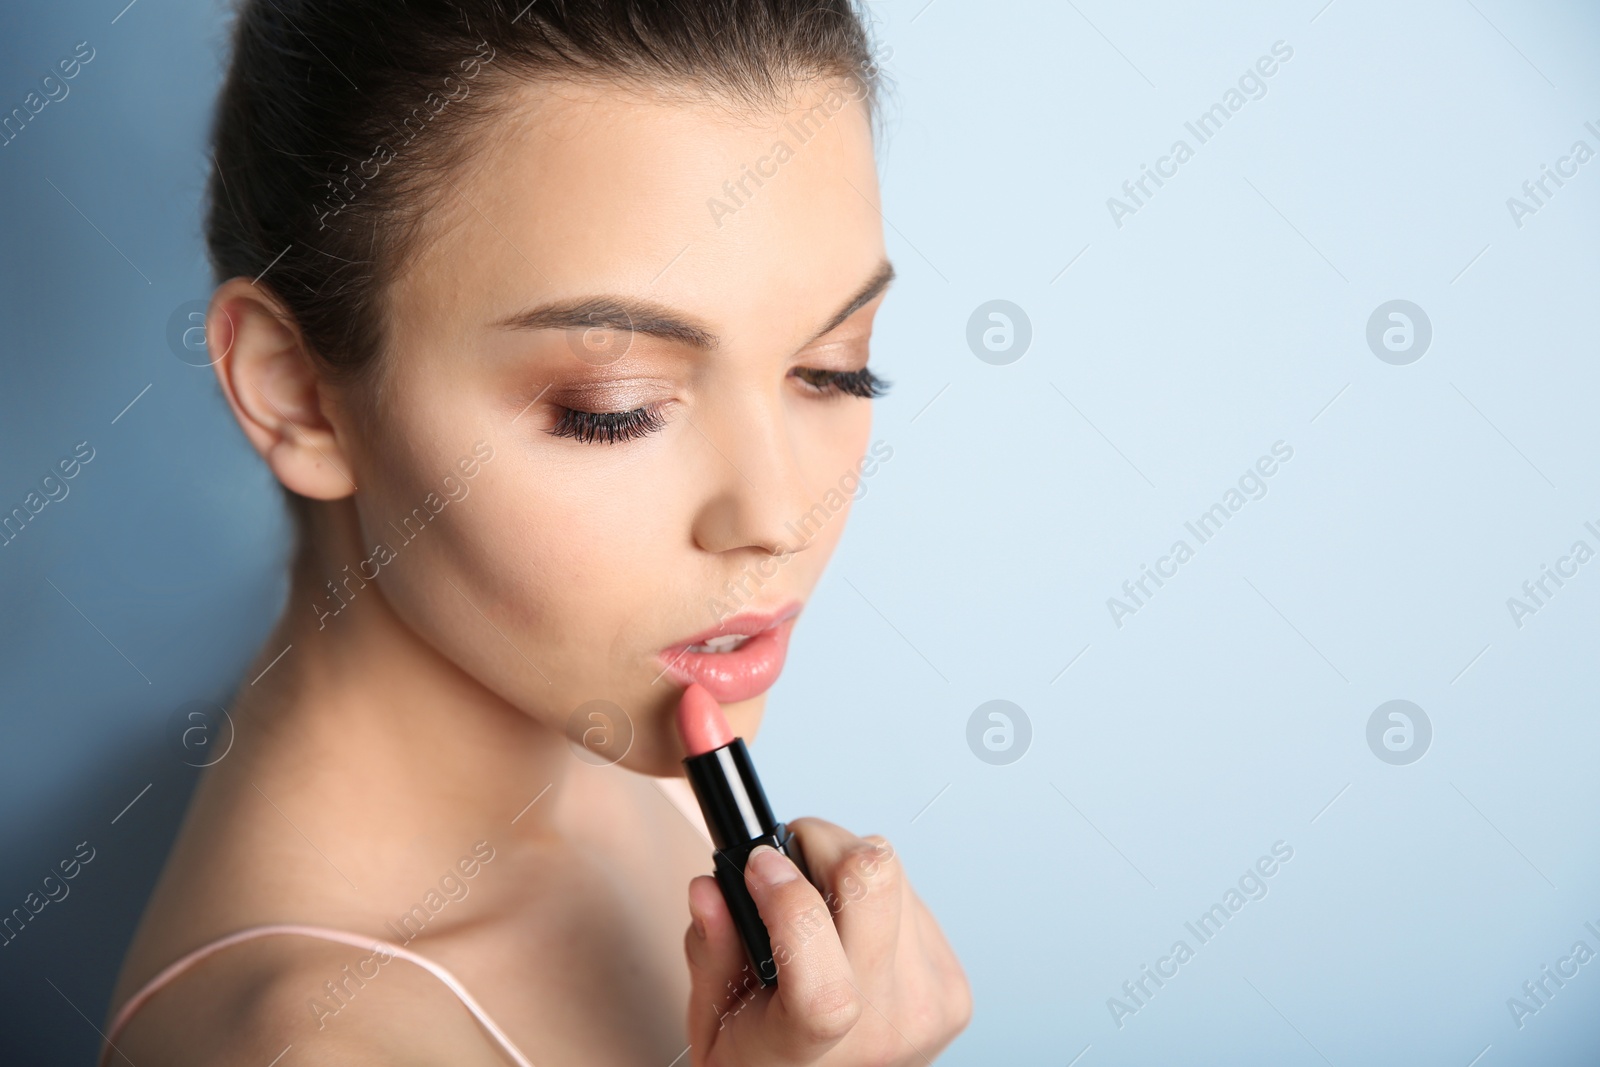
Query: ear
{"type": "Point", "coordinates": [272, 385]}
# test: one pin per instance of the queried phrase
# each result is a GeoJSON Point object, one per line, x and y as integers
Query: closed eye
{"type": "Point", "coordinates": [611, 427]}
{"type": "Point", "coordinates": [607, 426]}
{"type": "Point", "coordinates": [855, 383]}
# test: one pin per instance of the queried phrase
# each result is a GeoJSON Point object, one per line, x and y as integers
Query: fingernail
{"type": "Point", "coordinates": [769, 867]}
{"type": "Point", "coordinates": [699, 925]}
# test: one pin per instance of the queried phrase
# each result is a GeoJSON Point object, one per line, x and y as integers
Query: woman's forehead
{"type": "Point", "coordinates": [586, 190]}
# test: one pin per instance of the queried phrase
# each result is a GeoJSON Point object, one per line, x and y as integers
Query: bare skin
{"type": "Point", "coordinates": [421, 719]}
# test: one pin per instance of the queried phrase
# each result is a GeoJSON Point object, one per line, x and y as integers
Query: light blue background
{"type": "Point", "coordinates": [1227, 314]}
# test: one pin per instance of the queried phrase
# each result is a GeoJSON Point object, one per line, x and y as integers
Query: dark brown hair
{"type": "Point", "coordinates": [338, 120]}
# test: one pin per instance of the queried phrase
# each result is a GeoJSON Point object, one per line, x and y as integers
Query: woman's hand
{"type": "Point", "coordinates": [864, 974]}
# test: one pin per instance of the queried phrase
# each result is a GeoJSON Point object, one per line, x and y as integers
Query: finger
{"type": "Point", "coordinates": [872, 889]}
{"type": "Point", "coordinates": [864, 887]}
{"type": "Point", "coordinates": [822, 845]}
{"type": "Point", "coordinates": [816, 1003]}
{"type": "Point", "coordinates": [721, 983]}
{"type": "Point", "coordinates": [945, 994]}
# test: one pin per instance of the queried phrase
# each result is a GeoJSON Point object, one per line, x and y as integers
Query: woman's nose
{"type": "Point", "coordinates": [756, 494]}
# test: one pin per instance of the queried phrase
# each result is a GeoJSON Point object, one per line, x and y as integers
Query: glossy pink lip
{"type": "Point", "coordinates": [745, 672]}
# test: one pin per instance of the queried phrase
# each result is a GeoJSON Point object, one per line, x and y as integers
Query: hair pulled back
{"type": "Point", "coordinates": [338, 119]}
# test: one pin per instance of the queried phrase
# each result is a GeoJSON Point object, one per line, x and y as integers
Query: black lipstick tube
{"type": "Point", "coordinates": [739, 818]}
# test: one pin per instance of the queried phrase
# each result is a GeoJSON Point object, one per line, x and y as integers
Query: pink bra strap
{"type": "Point", "coordinates": [178, 967]}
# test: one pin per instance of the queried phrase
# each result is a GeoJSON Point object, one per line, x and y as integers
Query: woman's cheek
{"type": "Point", "coordinates": [542, 555]}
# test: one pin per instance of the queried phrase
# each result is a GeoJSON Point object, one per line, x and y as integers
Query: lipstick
{"type": "Point", "coordinates": [737, 814]}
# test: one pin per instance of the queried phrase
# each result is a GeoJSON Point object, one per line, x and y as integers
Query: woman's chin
{"type": "Point", "coordinates": [745, 716]}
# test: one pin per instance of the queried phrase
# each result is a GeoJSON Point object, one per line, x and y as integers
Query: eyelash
{"type": "Point", "coordinates": [613, 426]}
{"type": "Point", "coordinates": [855, 383]}
{"type": "Point", "coordinates": [609, 426]}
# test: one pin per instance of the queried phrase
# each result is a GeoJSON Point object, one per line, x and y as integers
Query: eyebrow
{"type": "Point", "coordinates": [637, 315]}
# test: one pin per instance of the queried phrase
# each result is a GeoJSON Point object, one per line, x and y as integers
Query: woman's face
{"type": "Point", "coordinates": [606, 252]}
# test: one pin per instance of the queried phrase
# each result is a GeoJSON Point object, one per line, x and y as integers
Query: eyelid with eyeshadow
{"type": "Point", "coordinates": [614, 426]}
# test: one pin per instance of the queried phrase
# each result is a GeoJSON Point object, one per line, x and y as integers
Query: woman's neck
{"type": "Point", "coordinates": [357, 718]}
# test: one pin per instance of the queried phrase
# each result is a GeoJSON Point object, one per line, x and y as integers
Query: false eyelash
{"type": "Point", "coordinates": [613, 426]}
{"type": "Point", "coordinates": [607, 426]}
{"type": "Point", "coordinates": [855, 383]}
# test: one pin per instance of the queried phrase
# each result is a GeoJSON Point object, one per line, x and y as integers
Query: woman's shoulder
{"type": "Point", "coordinates": [300, 999]}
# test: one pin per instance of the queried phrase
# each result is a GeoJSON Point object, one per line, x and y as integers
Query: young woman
{"type": "Point", "coordinates": [553, 320]}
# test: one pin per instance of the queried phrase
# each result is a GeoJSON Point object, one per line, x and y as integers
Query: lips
{"type": "Point", "coordinates": [748, 668]}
